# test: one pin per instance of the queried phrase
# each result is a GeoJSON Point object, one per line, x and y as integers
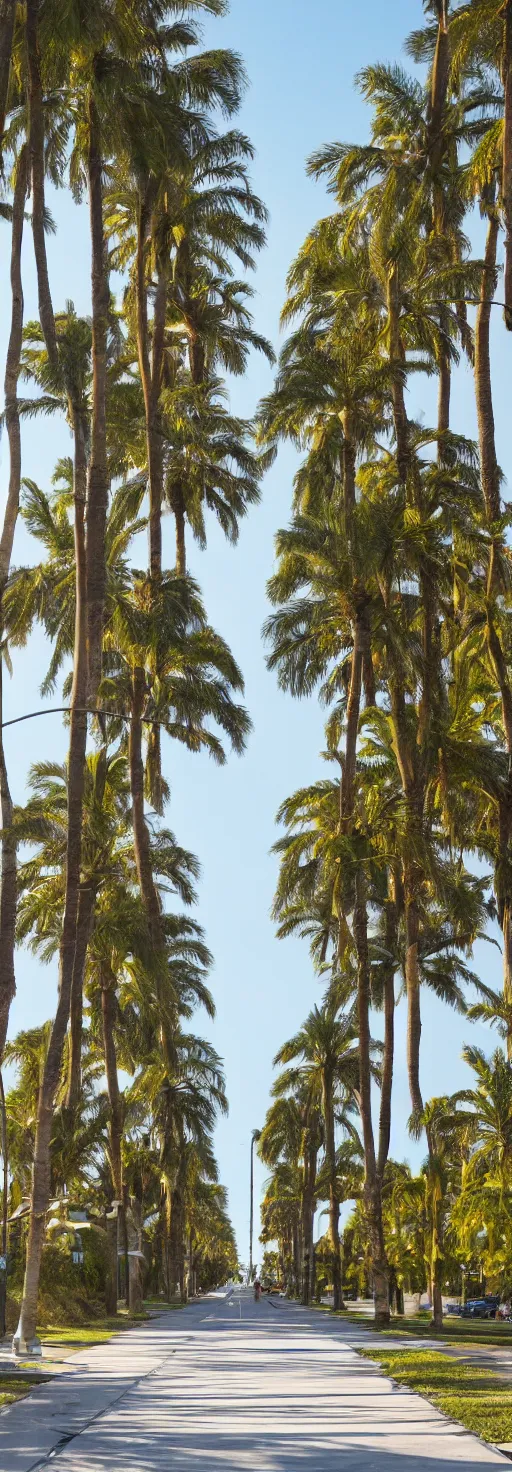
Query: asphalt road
{"type": "Point", "coordinates": [230, 1384]}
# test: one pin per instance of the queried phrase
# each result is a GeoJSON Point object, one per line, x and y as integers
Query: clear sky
{"type": "Point", "coordinates": [301, 60]}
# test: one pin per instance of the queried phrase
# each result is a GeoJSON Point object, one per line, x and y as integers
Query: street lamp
{"type": "Point", "coordinates": [463, 1283]}
{"type": "Point", "coordinates": [255, 1136]}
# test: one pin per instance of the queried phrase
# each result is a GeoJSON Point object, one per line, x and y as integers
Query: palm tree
{"type": "Point", "coordinates": [76, 1149]}
{"type": "Point", "coordinates": [329, 1066]}
{"type": "Point", "coordinates": [12, 421]}
{"type": "Point", "coordinates": [214, 1257]}
{"type": "Point", "coordinates": [77, 58]}
{"type": "Point", "coordinates": [281, 1220]}
{"type": "Point", "coordinates": [168, 666]}
{"type": "Point", "coordinates": [108, 880]}
{"type": "Point", "coordinates": [122, 988]}
{"type": "Point", "coordinates": [7, 21]}
{"type": "Point", "coordinates": [106, 96]}
{"type": "Point", "coordinates": [292, 1134]}
{"type": "Point", "coordinates": [488, 1105]}
{"type": "Point", "coordinates": [481, 34]}
{"type": "Point", "coordinates": [77, 748]}
{"type": "Point", "coordinates": [440, 1181]}
{"type": "Point", "coordinates": [496, 1009]}
{"type": "Point", "coordinates": [183, 1104]}
{"type": "Point", "coordinates": [380, 185]}
{"type": "Point", "coordinates": [178, 225]}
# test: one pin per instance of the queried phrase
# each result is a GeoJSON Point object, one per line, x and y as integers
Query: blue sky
{"type": "Point", "coordinates": [301, 60]}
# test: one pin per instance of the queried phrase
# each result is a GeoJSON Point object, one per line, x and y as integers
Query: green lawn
{"type": "Point", "coordinates": [454, 1330]}
{"type": "Point", "coordinates": [97, 1331]}
{"type": "Point", "coordinates": [14, 1387]}
{"type": "Point", "coordinates": [476, 1398]}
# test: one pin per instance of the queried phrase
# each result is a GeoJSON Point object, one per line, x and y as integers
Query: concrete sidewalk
{"type": "Point", "coordinates": [230, 1385]}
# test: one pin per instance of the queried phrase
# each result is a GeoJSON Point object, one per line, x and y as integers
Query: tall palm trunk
{"type": "Point", "coordinates": [116, 1105]}
{"type": "Point", "coordinates": [334, 1205]}
{"type": "Point", "coordinates": [437, 1263]}
{"type": "Point", "coordinates": [151, 377]}
{"type": "Point", "coordinates": [8, 882]}
{"type": "Point", "coordinates": [412, 980]}
{"type": "Point", "coordinates": [95, 520]}
{"type": "Point", "coordinates": [489, 469]}
{"type": "Point", "coordinates": [115, 1098]}
{"type": "Point", "coordinates": [444, 395]}
{"type": "Point", "coordinates": [372, 1182]}
{"type": "Point", "coordinates": [349, 466]}
{"type": "Point", "coordinates": [142, 846]}
{"type": "Point", "coordinates": [411, 888]}
{"type": "Point", "coordinates": [311, 1147]}
{"type": "Point", "coordinates": [141, 837]}
{"type": "Point", "coordinates": [176, 1246]}
{"type": "Point", "coordinates": [25, 1339]}
{"type": "Point", "coordinates": [397, 360]}
{"type": "Point", "coordinates": [197, 365]}
{"type": "Point", "coordinates": [307, 1218]}
{"type": "Point", "coordinates": [192, 1267]}
{"type": "Point", "coordinates": [490, 479]}
{"type": "Point", "coordinates": [440, 78]}
{"type": "Point", "coordinates": [437, 147]}
{"type": "Point", "coordinates": [98, 481]}
{"type": "Point", "coordinates": [392, 920]}
{"type": "Point", "coordinates": [178, 508]}
{"type": "Point", "coordinates": [407, 751]}
{"type": "Point", "coordinates": [361, 655]}
{"type": "Point", "coordinates": [86, 904]}
{"type": "Point", "coordinates": [507, 157]}
{"type": "Point", "coordinates": [7, 18]}
{"type": "Point", "coordinates": [197, 354]}
{"type": "Point", "coordinates": [361, 642]}
{"type": "Point", "coordinates": [436, 113]}
{"type": "Point", "coordinates": [407, 759]}
{"type": "Point", "coordinates": [296, 1258]}
{"type": "Point", "coordinates": [37, 175]}
{"type": "Point", "coordinates": [151, 371]}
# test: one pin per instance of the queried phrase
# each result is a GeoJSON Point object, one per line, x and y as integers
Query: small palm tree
{"type": "Point", "coordinates": [329, 1066]}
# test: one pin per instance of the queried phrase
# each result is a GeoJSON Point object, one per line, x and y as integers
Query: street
{"type": "Point", "coordinates": [232, 1384]}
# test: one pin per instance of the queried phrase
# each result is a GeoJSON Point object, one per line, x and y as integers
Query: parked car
{"type": "Point", "coordinates": [453, 1308]}
{"type": "Point", "coordinates": [481, 1308]}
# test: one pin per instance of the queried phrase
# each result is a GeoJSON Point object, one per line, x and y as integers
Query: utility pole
{"type": "Point", "coordinates": [255, 1136]}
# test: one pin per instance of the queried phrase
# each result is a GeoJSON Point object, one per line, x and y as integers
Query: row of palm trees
{"type": "Point", "coordinates": [445, 1230]}
{"type": "Point", "coordinates": [392, 601]}
{"type": "Point", "coordinates": [116, 102]}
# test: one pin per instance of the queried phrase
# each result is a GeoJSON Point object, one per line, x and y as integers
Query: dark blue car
{"type": "Point", "coordinates": [481, 1308]}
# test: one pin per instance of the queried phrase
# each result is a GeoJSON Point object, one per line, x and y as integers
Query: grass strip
{"type": "Point", "coordinates": [454, 1331]}
{"type": "Point", "coordinates": [476, 1398]}
{"type": "Point", "coordinates": [99, 1331]}
{"type": "Point", "coordinates": [15, 1387]}
{"type": "Point", "coordinates": [96, 1331]}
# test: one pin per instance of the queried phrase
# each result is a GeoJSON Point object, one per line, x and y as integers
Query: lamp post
{"type": "Point", "coordinates": [255, 1136]}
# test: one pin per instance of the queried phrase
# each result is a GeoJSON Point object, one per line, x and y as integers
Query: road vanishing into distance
{"type": "Point", "coordinates": [232, 1384]}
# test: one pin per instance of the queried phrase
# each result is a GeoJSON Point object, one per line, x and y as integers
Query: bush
{"type": "Point", "coordinates": [70, 1292]}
